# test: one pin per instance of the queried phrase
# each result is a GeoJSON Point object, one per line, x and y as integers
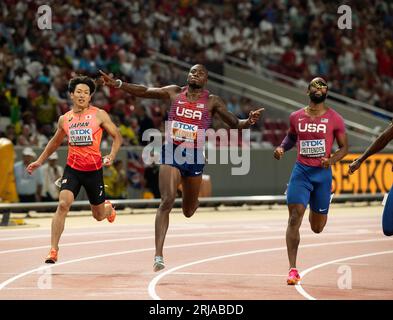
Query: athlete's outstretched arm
{"type": "Point", "coordinates": [342, 142]}
{"type": "Point", "coordinates": [111, 128]}
{"type": "Point", "coordinates": [380, 143]}
{"type": "Point", "coordinates": [140, 90]}
{"type": "Point", "coordinates": [219, 107]}
{"type": "Point", "coordinates": [51, 147]}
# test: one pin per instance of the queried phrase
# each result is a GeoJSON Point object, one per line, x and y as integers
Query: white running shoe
{"type": "Point", "coordinates": [158, 263]}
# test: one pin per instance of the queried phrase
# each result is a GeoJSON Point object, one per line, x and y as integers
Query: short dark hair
{"type": "Point", "coordinates": [84, 80]}
{"type": "Point", "coordinates": [202, 66]}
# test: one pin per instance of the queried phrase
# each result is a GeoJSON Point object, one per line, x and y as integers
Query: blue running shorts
{"type": "Point", "coordinates": [190, 161]}
{"type": "Point", "coordinates": [387, 217]}
{"type": "Point", "coordinates": [310, 185]}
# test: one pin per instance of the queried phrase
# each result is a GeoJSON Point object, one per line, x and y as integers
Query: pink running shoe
{"type": "Point", "coordinates": [293, 277]}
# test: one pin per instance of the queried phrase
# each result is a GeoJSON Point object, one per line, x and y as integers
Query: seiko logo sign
{"type": "Point", "coordinates": [188, 113]}
{"type": "Point", "coordinates": [312, 127]}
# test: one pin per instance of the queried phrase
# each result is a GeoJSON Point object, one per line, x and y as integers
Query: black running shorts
{"type": "Point", "coordinates": [92, 181]}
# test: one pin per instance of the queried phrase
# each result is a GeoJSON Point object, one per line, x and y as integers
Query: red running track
{"type": "Point", "coordinates": [236, 256]}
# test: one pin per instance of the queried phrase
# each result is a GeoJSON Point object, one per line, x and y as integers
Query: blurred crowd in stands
{"type": "Point", "coordinates": [298, 38]}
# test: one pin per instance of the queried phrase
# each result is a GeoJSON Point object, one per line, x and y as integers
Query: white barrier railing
{"type": "Point", "coordinates": [253, 90]}
{"type": "Point", "coordinates": [275, 75]}
{"type": "Point", "coordinates": [208, 202]}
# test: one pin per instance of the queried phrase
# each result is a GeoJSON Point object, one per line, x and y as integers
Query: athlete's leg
{"type": "Point", "coordinates": [169, 180]}
{"type": "Point", "coordinates": [93, 183]}
{"type": "Point", "coordinates": [387, 216]}
{"type": "Point", "coordinates": [66, 198]}
{"type": "Point", "coordinates": [296, 213]}
{"type": "Point", "coordinates": [298, 196]}
{"type": "Point", "coordinates": [101, 211]}
{"type": "Point", "coordinates": [69, 189]}
{"type": "Point", "coordinates": [191, 187]}
{"type": "Point", "coordinates": [317, 221]}
{"type": "Point", "coordinates": [320, 199]}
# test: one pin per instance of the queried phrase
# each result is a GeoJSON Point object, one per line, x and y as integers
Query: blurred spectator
{"type": "Point", "coordinates": [10, 134]}
{"type": "Point", "coordinates": [128, 134]}
{"type": "Point", "coordinates": [51, 172]}
{"type": "Point", "coordinates": [150, 176]}
{"type": "Point", "coordinates": [27, 138]}
{"type": "Point", "coordinates": [139, 72]}
{"type": "Point", "coordinates": [29, 187]}
{"type": "Point", "coordinates": [45, 107]}
{"type": "Point", "coordinates": [22, 84]}
{"type": "Point", "coordinates": [115, 181]}
{"type": "Point", "coordinates": [43, 135]}
{"type": "Point", "coordinates": [145, 122]}
{"type": "Point", "coordinates": [296, 38]}
{"type": "Point", "coordinates": [233, 105]}
{"type": "Point", "coordinates": [44, 78]}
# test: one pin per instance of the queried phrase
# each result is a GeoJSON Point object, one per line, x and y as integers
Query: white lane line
{"type": "Point", "coordinates": [87, 273]}
{"type": "Point", "coordinates": [190, 235]}
{"type": "Point", "coordinates": [353, 264]}
{"type": "Point", "coordinates": [195, 244]}
{"type": "Point", "coordinates": [181, 226]}
{"type": "Point", "coordinates": [145, 227]}
{"type": "Point", "coordinates": [181, 236]}
{"type": "Point", "coordinates": [153, 283]}
{"type": "Point", "coordinates": [220, 274]}
{"type": "Point", "coordinates": [246, 227]}
{"type": "Point", "coordinates": [72, 234]}
{"type": "Point", "coordinates": [264, 228]}
{"type": "Point", "coordinates": [305, 294]}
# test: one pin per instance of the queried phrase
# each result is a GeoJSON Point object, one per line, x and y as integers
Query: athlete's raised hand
{"type": "Point", "coordinates": [355, 165]}
{"type": "Point", "coordinates": [254, 116]}
{"type": "Point", "coordinates": [107, 79]}
{"type": "Point", "coordinates": [33, 166]}
{"type": "Point", "coordinates": [278, 153]}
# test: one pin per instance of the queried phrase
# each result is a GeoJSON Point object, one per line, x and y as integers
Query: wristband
{"type": "Point", "coordinates": [119, 83]}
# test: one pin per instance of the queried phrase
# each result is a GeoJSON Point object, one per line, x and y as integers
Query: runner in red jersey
{"type": "Point", "coordinates": [190, 115]}
{"type": "Point", "coordinates": [314, 129]}
{"type": "Point", "coordinates": [83, 126]}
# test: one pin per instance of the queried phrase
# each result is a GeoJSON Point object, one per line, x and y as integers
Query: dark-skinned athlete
{"type": "Point", "coordinates": [380, 143]}
{"type": "Point", "coordinates": [313, 129]}
{"type": "Point", "coordinates": [192, 108]}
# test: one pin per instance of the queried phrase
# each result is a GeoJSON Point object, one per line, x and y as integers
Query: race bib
{"type": "Point", "coordinates": [181, 131]}
{"type": "Point", "coordinates": [313, 148]}
{"type": "Point", "coordinates": [80, 137]}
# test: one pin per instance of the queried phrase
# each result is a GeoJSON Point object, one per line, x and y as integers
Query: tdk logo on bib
{"type": "Point", "coordinates": [312, 127]}
{"type": "Point", "coordinates": [312, 148]}
{"type": "Point", "coordinates": [185, 126]}
{"type": "Point", "coordinates": [183, 131]}
{"type": "Point", "coordinates": [188, 113]}
{"type": "Point", "coordinates": [80, 131]}
{"type": "Point", "coordinates": [81, 137]}
{"type": "Point", "coordinates": [312, 143]}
